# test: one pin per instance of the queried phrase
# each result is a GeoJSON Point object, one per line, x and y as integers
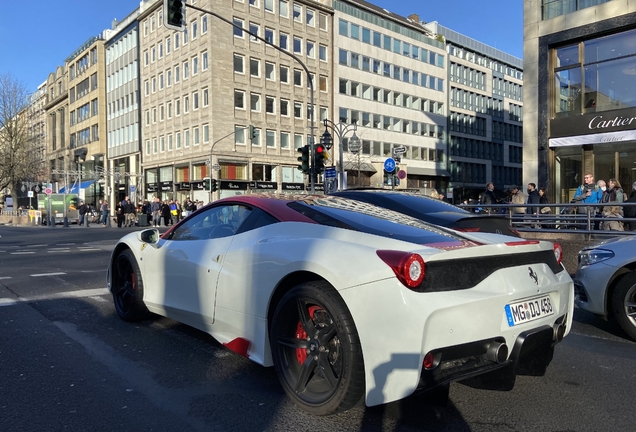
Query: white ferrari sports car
{"type": "Point", "coordinates": [349, 301]}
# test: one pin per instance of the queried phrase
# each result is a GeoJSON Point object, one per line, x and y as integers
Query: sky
{"type": "Point", "coordinates": [30, 49]}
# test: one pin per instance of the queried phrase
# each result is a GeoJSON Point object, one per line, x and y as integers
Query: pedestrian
{"type": "Point", "coordinates": [105, 210]}
{"type": "Point", "coordinates": [488, 197]}
{"type": "Point", "coordinates": [533, 199]}
{"type": "Point", "coordinates": [188, 206]}
{"type": "Point", "coordinates": [83, 209]}
{"type": "Point", "coordinates": [517, 197]}
{"type": "Point", "coordinates": [588, 192]}
{"type": "Point", "coordinates": [119, 214]}
{"type": "Point", "coordinates": [155, 208]}
{"type": "Point", "coordinates": [129, 213]}
{"type": "Point", "coordinates": [165, 213]}
{"type": "Point", "coordinates": [174, 211]}
{"type": "Point", "coordinates": [614, 193]}
{"type": "Point", "coordinates": [543, 200]}
{"type": "Point", "coordinates": [629, 211]}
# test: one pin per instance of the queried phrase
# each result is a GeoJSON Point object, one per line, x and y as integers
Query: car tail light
{"type": "Point", "coordinates": [522, 243]}
{"type": "Point", "coordinates": [408, 267]}
{"type": "Point", "coordinates": [558, 252]}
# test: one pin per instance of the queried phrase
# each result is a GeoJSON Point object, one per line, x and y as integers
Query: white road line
{"type": "Point", "coordinates": [40, 245]}
{"type": "Point", "coordinates": [48, 274]}
{"type": "Point", "coordinates": [87, 250]}
{"type": "Point", "coordinates": [59, 251]}
{"type": "Point", "coordinates": [56, 296]}
{"type": "Point", "coordinates": [65, 244]}
{"type": "Point", "coordinates": [60, 248]}
{"type": "Point", "coordinates": [21, 253]}
{"type": "Point", "coordinates": [5, 277]}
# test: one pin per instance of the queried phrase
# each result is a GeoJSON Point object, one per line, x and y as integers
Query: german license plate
{"type": "Point", "coordinates": [528, 310]}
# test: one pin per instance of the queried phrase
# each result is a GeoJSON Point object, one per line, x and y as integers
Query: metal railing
{"type": "Point", "coordinates": [585, 219]}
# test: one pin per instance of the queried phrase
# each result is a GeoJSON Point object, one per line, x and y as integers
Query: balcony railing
{"type": "Point", "coordinates": [555, 8]}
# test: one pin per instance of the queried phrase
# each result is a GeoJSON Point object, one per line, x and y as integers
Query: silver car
{"type": "Point", "coordinates": [605, 281]}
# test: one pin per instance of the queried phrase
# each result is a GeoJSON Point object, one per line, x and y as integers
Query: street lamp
{"type": "Point", "coordinates": [340, 129]}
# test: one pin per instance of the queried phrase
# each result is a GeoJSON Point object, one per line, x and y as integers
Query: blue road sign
{"type": "Point", "coordinates": [132, 188]}
{"type": "Point", "coordinates": [330, 172]}
{"type": "Point", "coordinates": [389, 165]}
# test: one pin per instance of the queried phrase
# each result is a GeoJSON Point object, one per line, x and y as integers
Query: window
{"type": "Point", "coordinates": [298, 77]}
{"type": "Point", "coordinates": [194, 30]}
{"type": "Point", "coordinates": [322, 52]}
{"type": "Point", "coordinates": [195, 65]}
{"type": "Point", "coordinates": [169, 142]}
{"type": "Point", "coordinates": [204, 57]}
{"type": "Point", "coordinates": [161, 81]}
{"type": "Point", "coordinates": [255, 67]}
{"type": "Point", "coordinates": [168, 78]}
{"type": "Point", "coordinates": [237, 31]}
{"type": "Point", "coordinates": [186, 70]}
{"type": "Point", "coordinates": [186, 138]}
{"type": "Point", "coordinates": [254, 29]}
{"type": "Point", "coordinates": [269, 104]}
{"type": "Point", "coordinates": [195, 100]}
{"type": "Point", "coordinates": [284, 108]}
{"type": "Point", "coordinates": [270, 138]}
{"type": "Point", "coordinates": [310, 17]}
{"type": "Point", "coordinates": [204, 24]}
{"type": "Point", "coordinates": [177, 74]}
{"type": "Point", "coordinates": [310, 49]}
{"type": "Point", "coordinates": [238, 63]}
{"type": "Point", "coordinates": [283, 8]}
{"type": "Point", "coordinates": [343, 28]}
{"type": "Point", "coordinates": [284, 74]}
{"type": "Point", "coordinates": [269, 5]}
{"type": "Point", "coordinates": [177, 138]}
{"type": "Point", "coordinates": [239, 99]}
{"type": "Point", "coordinates": [269, 35]}
{"type": "Point", "coordinates": [206, 133]}
{"type": "Point", "coordinates": [298, 13]}
{"type": "Point", "coordinates": [256, 141]}
{"type": "Point", "coordinates": [322, 21]}
{"type": "Point", "coordinates": [284, 140]}
{"type": "Point", "coordinates": [206, 100]}
{"type": "Point", "coordinates": [270, 73]}
{"type": "Point", "coordinates": [176, 41]}
{"type": "Point", "coordinates": [298, 109]}
{"type": "Point", "coordinates": [195, 136]}
{"type": "Point", "coordinates": [323, 83]}
{"type": "Point", "coordinates": [162, 145]}
{"type": "Point", "coordinates": [186, 104]}
{"type": "Point", "coordinates": [282, 41]}
{"type": "Point", "coordinates": [255, 102]}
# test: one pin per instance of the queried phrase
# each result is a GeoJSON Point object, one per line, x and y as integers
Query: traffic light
{"type": "Point", "coordinates": [214, 185]}
{"type": "Point", "coordinates": [304, 159]}
{"type": "Point", "coordinates": [252, 134]}
{"type": "Point", "coordinates": [206, 183]}
{"type": "Point", "coordinates": [174, 14]}
{"type": "Point", "coordinates": [321, 153]}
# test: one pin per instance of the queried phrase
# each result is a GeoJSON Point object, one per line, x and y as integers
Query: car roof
{"type": "Point", "coordinates": [432, 205]}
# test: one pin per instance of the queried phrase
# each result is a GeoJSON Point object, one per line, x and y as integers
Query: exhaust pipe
{"type": "Point", "coordinates": [497, 352]}
{"type": "Point", "coordinates": [559, 332]}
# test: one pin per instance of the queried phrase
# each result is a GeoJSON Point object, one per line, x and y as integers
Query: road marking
{"type": "Point", "coordinates": [92, 271]}
{"type": "Point", "coordinates": [56, 296]}
{"type": "Point", "coordinates": [5, 277]}
{"type": "Point", "coordinates": [88, 249]}
{"type": "Point", "coordinates": [21, 253]}
{"type": "Point", "coordinates": [64, 244]}
{"type": "Point", "coordinates": [47, 274]}
{"type": "Point", "coordinates": [59, 251]}
{"type": "Point", "coordinates": [61, 248]}
{"type": "Point", "coordinates": [32, 246]}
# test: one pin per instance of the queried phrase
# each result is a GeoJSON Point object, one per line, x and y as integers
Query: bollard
{"type": "Point", "coordinates": [52, 222]}
{"type": "Point", "coordinates": [65, 222]}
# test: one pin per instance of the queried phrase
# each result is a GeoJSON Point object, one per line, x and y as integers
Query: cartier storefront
{"type": "Point", "coordinates": [592, 119]}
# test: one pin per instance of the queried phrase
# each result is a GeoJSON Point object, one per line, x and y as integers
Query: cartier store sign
{"type": "Point", "coordinates": [594, 128]}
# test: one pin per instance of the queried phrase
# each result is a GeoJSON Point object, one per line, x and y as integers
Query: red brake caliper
{"type": "Point", "coordinates": [301, 353]}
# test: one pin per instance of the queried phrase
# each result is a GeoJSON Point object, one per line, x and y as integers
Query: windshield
{"type": "Point", "coordinates": [363, 217]}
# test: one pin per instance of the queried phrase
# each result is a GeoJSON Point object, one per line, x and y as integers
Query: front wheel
{"type": "Point", "coordinates": [624, 304]}
{"type": "Point", "coordinates": [128, 288]}
{"type": "Point", "coordinates": [316, 350]}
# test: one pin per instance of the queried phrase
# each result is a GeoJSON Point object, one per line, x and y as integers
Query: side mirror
{"type": "Point", "coordinates": [148, 236]}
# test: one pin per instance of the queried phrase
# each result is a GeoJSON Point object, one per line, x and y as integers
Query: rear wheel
{"type": "Point", "coordinates": [128, 288]}
{"type": "Point", "coordinates": [624, 304]}
{"type": "Point", "coordinates": [316, 350]}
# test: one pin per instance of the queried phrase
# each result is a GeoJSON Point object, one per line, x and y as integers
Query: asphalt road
{"type": "Point", "coordinates": [69, 363]}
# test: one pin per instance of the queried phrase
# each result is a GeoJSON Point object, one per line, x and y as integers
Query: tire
{"type": "Point", "coordinates": [624, 304]}
{"type": "Point", "coordinates": [331, 379]}
{"type": "Point", "coordinates": [128, 288]}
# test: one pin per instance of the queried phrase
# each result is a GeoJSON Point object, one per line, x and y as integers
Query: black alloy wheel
{"type": "Point", "coordinates": [316, 350]}
{"type": "Point", "coordinates": [624, 304]}
{"type": "Point", "coordinates": [127, 288]}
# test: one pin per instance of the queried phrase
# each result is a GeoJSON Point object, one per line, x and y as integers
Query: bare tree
{"type": "Point", "coordinates": [18, 160]}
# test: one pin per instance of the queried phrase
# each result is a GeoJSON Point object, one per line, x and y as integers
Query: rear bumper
{"type": "Point", "coordinates": [469, 363]}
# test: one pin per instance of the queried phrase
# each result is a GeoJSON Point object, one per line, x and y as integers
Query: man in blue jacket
{"type": "Point", "coordinates": [588, 192]}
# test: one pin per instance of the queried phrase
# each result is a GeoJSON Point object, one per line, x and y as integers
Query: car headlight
{"type": "Point", "coordinates": [593, 256]}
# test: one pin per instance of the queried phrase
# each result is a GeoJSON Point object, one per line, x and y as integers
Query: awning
{"type": "Point", "coordinates": [73, 190]}
{"type": "Point", "coordinates": [427, 172]}
{"type": "Point", "coordinates": [366, 167]}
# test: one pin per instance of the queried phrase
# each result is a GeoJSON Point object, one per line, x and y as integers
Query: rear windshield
{"type": "Point", "coordinates": [398, 200]}
{"type": "Point", "coordinates": [367, 218]}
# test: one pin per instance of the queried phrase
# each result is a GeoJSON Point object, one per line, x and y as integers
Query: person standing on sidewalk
{"type": "Point", "coordinates": [105, 211]}
{"type": "Point", "coordinates": [129, 212]}
{"type": "Point", "coordinates": [155, 208]}
{"type": "Point", "coordinates": [83, 209]}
